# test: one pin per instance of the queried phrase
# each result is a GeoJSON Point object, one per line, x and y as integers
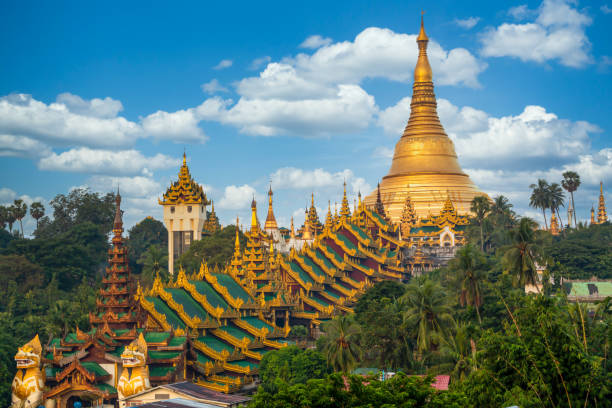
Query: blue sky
{"type": "Point", "coordinates": [305, 95]}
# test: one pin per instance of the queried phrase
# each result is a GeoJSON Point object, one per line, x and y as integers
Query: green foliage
{"type": "Point", "coordinates": [379, 292]}
{"type": "Point", "coordinates": [153, 262]}
{"type": "Point", "coordinates": [341, 343]}
{"type": "Point", "coordinates": [357, 392]}
{"type": "Point", "coordinates": [141, 237]}
{"type": "Point", "coordinates": [298, 332]}
{"type": "Point", "coordinates": [216, 249]}
{"type": "Point", "coordinates": [291, 365]}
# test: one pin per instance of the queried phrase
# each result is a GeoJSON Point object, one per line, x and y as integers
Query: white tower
{"type": "Point", "coordinates": [184, 214]}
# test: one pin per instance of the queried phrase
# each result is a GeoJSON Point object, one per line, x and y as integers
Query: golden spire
{"type": "Point", "coordinates": [185, 159]}
{"type": "Point", "coordinates": [602, 215]}
{"type": "Point", "coordinates": [329, 221]}
{"type": "Point", "coordinates": [345, 211]}
{"type": "Point", "coordinates": [409, 216]}
{"type": "Point", "coordinates": [254, 222]}
{"type": "Point", "coordinates": [237, 243]}
{"type": "Point", "coordinates": [424, 158]}
{"type": "Point", "coordinates": [593, 216]}
{"type": "Point", "coordinates": [379, 206]}
{"type": "Point", "coordinates": [118, 223]}
{"type": "Point", "coordinates": [270, 219]}
{"type": "Point", "coordinates": [554, 225]}
{"type": "Point", "coordinates": [292, 236]}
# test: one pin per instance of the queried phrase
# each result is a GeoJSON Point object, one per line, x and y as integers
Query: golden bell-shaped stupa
{"type": "Point", "coordinates": [425, 165]}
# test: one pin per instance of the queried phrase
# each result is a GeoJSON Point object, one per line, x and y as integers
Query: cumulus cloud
{"type": "Point", "coordinates": [226, 63]}
{"type": "Point", "coordinates": [259, 62]}
{"type": "Point", "coordinates": [22, 146]}
{"type": "Point", "coordinates": [315, 41]}
{"type": "Point", "coordinates": [56, 124]}
{"type": "Point", "coordinates": [100, 108]}
{"type": "Point", "coordinates": [138, 186]}
{"type": "Point", "coordinates": [237, 197]}
{"type": "Point", "coordinates": [97, 161]}
{"type": "Point", "coordinates": [295, 178]}
{"type": "Point", "coordinates": [179, 126]}
{"type": "Point", "coordinates": [467, 23]}
{"type": "Point", "coordinates": [558, 33]}
{"type": "Point", "coordinates": [213, 86]}
{"type": "Point", "coordinates": [605, 9]}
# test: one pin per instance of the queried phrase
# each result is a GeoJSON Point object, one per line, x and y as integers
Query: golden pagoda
{"type": "Point", "coordinates": [554, 225]}
{"type": "Point", "coordinates": [270, 224]}
{"type": "Point", "coordinates": [602, 215]}
{"type": "Point", "coordinates": [424, 163]}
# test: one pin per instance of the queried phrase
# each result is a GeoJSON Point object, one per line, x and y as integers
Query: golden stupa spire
{"type": "Point", "coordinates": [270, 219]}
{"type": "Point", "coordinates": [237, 243]}
{"type": "Point", "coordinates": [424, 158]}
{"type": "Point", "coordinates": [593, 216]}
{"type": "Point", "coordinates": [602, 215]}
{"type": "Point", "coordinates": [329, 221]}
{"type": "Point", "coordinates": [345, 211]}
{"type": "Point", "coordinates": [254, 221]}
{"type": "Point", "coordinates": [292, 236]}
{"type": "Point", "coordinates": [554, 225]}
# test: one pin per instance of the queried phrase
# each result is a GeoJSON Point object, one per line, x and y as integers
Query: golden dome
{"type": "Point", "coordinates": [425, 164]}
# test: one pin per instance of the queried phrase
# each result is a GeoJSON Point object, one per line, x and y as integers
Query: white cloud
{"type": "Point", "coordinates": [213, 86]}
{"type": "Point", "coordinates": [558, 33]}
{"type": "Point", "coordinates": [467, 23]}
{"type": "Point", "coordinates": [605, 9]}
{"type": "Point", "coordinates": [179, 126]}
{"type": "Point", "coordinates": [106, 108]}
{"type": "Point", "coordinates": [7, 195]}
{"type": "Point", "coordinates": [315, 41]}
{"type": "Point", "coordinates": [521, 12]}
{"type": "Point", "coordinates": [383, 152]}
{"type": "Point", "coordinates": [259, 62]}
{"type": "Point", "coordinates": [350, 110]}
{"type": "Point", "coordinates": [137, 186]}
{"type": "Point", "coordinates": [237, 197]}
{"type": "Point", "coordinates": [394, 118]}
{"type": "Point", "coordinates": [226, 63]}
{"type": "Point", "coordinates": [56, 124]}
{"type": "Point", "coordinates": [22, 146]}
{"type": "Point", "coordinates": [294, 178]}
{"type": "Point", "coordinates": [123, 162]}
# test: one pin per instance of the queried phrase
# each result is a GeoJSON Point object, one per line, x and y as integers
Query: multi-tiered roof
{"type": "Point", "coordinates": [185, 190]}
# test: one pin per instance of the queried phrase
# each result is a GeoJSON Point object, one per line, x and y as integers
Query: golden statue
{"type": "Point", "coordinates": [424, 165]}
{"type": "Point", "coordinates": [29, 382]}
{"type": "Point", "coordinates": [135, 375]}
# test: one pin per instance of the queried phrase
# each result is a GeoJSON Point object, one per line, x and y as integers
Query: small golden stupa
{"type": "Point", "coordinates": [424, 165]}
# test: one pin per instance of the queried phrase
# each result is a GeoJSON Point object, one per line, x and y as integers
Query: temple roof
{"type": "Point", "coordinates": [185, 190]}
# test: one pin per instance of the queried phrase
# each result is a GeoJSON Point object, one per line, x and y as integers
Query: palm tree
{"type": "Point", "coordinates": [20, 210]}
{"type": "Point", "coordinates": [480, 207]}
{"type": "Point", "coordinates": [539, 197]}
{"type": "Point", "coordinates": [571, 182]}
{"type": "Point", "coordinates": [3, 216]}
{"type": "Point", "coordinates": [37, 211]}
{"type": "Point", "coordinates": [429, 312]}
{"type": "Point", "coordinates": [341, 344]}
{"type": "Point", "coordinates": [468, 264]}
{"type": "Point", "coordinates": [556, 199]}
{"type": "Point", "coordinates": [460, 348]}
{"type": "Point", "coordinates": [10, 218]}
{"type": "Point", "coordinates": [153, 261]}
{"type": "Point", "coordinates": [521, 256]}
{"type": "Point", "coordinates": [502, 209]}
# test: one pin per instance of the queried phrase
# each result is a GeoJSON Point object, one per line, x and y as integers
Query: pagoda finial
{"type": "Point", "coordinates": [270, 219]}
{"type": "Point", "coordinates": [118, 223]}
{"type": "Point", "coordinates": [329, 221]}
{"type": "Point", "coordinates": [379, 206]}
{"type": "Point", "coordinates": [184, 157]}
{"type": "Point", "coordinates": [237, 243]}
{"type": "Point", "coordinates": [602, 215]}
{"type": "Point", "coordinates": [254, 222]}
{"type": "Point", "coordinates": [422, 71]}
{"type": "Point", "coordinates": [292, 236]}
{"type": "Point", "coordinates": [345, 211]}
{"type": "Point", "coordinates": [593, 215]}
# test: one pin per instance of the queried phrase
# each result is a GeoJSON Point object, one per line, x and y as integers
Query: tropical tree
{"type": "Point", "coordinates": [37, 211]}
{"type": "Point", "coordinates": [571, 182]}
{"type": "Point", "coordinates": [468, 266]}
{"type": "Point", "coordinates": [556, 199]}
{"type": "Point", "coordinates": [540, 198]}
{"type": "Point", "coordinates": [522, 255]}
{"type": "Point", "coordinates": [20, 210]}
{"type": "Point", "coordinates": [480, 207]}
{"type": "Point", "coordinates": [3, 216]}
{"type": "Point", "coordinates": [154, 262]}
{"type": "Point", "coordinates": [461, 349]}
{"type": "Point", "coordinates": [428, 312]}
{"type": "Point", "coordinates": [341, 345]}
{"type": "Point", "coordinates": [10, 217]}
{"type": "Point", "coordinates": [501, 209]}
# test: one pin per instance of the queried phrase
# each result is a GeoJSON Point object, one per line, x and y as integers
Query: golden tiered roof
{"type": "Point", "coordinates": [185, 190]}
{"type": "Point", "coordinates": [602, 215]}
{"type": "Point", "coordinates": [554, 225]}
{"type": "Point", "coordinates": [345, 211]}
{"type": "Point", "coordinates": [211, 225]}
{"type": "Point", "coordinates": [424, 157]}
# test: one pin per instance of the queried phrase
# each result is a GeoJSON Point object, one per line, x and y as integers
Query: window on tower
{"type": "Point", "coordinates": [189, 209]}
{"type": "Point", "coordinates": [172, 210]}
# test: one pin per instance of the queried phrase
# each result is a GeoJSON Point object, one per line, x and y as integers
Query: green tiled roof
{"type": "Point", "coordinates": [320, 301]}
{"type": "Point", "coordinates": [177, 341]}
{"type": "Point", "coordinates": [324, 259]}
{"type": "Point", "coordinates": [160, 371]}
{"type": "Point", "coordinates": [163, 308]}
{"type": "Point", "coordinates": [201, 358]}
{"type": "Point", "coordinates": [117, 352]}
{"type": "Point", "coordinates": [190, 306]}
{"type": "Point", "coordinates": [335, 254]}
{"type": "Point", "coordinates": [359, 231]}
{"type": "Point", "coordinates": [71, 338]}
{"type": "Point", "coordinates": [215, 344]}
{"type": "Point", "coordinates": [232, 286]}
{"type": "Point", "coordinates": [51, 371]}
{"type": "Point", "coordinates": [55, 342]}
{"type": "Point", "coordinates": [156, 337]}
{"type": "Point", "coordinates": [211, 294]}
{"type": "Point", "coordinates": [313, 265]}
{"type": "Point", "coordinates": [258, 324]}
{"type": "Point", "coordinates": [303, 275]}
{"type": "Point", "coordinates": [163, 355]}
{"type": "Point", "coordinates": [236, 332]}
{"type": "Point", "coordinates": [245, 363]}
{"type": "Point", "coordinates": [426, 228]}
{"type": "Point", "coordinates": [94, 368]}
{"type": "Point", "coordinates": [346, 241]}
{"type": "Point", "coordinates": [121, 332]}
{"type": "Point", "coordinates": [107, 388]}
{"type": "Point", "coordinates": [49, 356]}
{"type": "Point", "coordinates": [332, 294]}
